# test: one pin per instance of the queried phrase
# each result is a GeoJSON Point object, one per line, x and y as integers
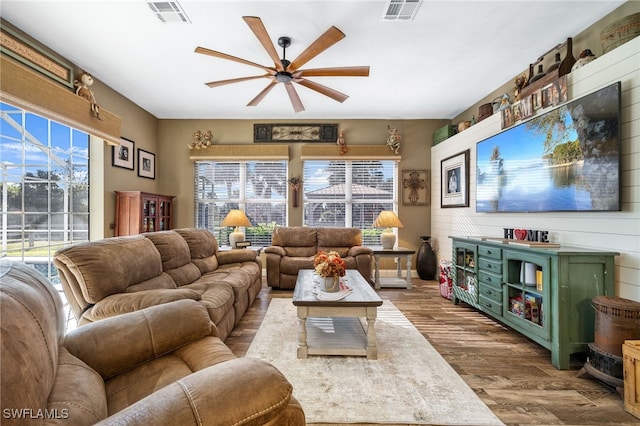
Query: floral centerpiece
{"type": "Point", "coordinates": [330, 266]}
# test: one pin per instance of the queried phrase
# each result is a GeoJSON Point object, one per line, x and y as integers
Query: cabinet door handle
{"type": "Point", "coordinates": [489, 251]}
{"type": "Point", "coordinates": [488, 305]}
{"type": "Point", "coordinates": [488, 266]}
{"type": "Point", "coordinates": [489, 292]}
{"type": "Point", "coordinates": [488, 279]}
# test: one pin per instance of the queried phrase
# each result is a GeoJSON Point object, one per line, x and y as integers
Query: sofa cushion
{"type": "Point", "coordinates": [203, 247]}
{"type": "Point", "coordinates": [339, 239]}
{"type": "Point", "coordinates": [297, 241]}
{"type": "Point", "coordinates": [130, 387]}
{"type": "Point", "coordinates": [109, 266]}
{"type": "Point", "coordinates": [175, 255]}
{"type": "Point", "coordinates": [217, 297]}
{"type": "Point", "coordinates": [29, 306]}
{"type": "Point", "coordinates": [291, 265]}
{"type": "Point", "coordinates": [78, 390]}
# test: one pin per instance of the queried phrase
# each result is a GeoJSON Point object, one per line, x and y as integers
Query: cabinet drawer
{"type": "Point", "coordinates": [485, 264]}
{"type": "Point", "coordinates": [491, 293]}
{"type": "Point", "coordinates": [494, 280]}
{"type": "Point", "coordinates": [491, 252]}
{"type": "Point", "coordinates": [490, 306]}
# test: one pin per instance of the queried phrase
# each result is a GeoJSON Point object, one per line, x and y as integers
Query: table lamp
{"type": "Point", "coordinates": [235, 218]}
{"type": "Point", "coordinates": [387, 219]}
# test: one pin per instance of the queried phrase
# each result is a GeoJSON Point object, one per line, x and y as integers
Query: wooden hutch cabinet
{"type": "Point", "coordinates": [542, 293]}
{"type": "Point", "coordinates": [138, 212]}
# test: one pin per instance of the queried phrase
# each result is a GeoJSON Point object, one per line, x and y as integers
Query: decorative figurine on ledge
{"type": "Point", "coordinates": [82, 84]}
{"type": "Point", "coordinates": [342, 143]}
{"type": "Point", "coordinates": [586, 56]}
{"type": "Point", "coordinates": [520, 82]}
{"type": "Point", "coordinates": [201, 140]}
{"type": "Point", "coordinates": [393, 141]}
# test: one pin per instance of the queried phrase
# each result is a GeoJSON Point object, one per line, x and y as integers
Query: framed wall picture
{"type": "Point", "coordinates": [146, 164]}
{"type": "Point", "coordinates": [415, 187]}
{"type": "Point", "coordinates": [455, 181]}
{"type": "Point", "coordinates": [122, 155]}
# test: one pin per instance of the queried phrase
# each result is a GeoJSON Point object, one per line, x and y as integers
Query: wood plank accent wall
{"type": "Point", "coordinates": [24, 88]}
{"type": "Point", "coordinates": [615, 231]}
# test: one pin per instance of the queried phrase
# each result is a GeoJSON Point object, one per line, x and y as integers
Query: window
{"type": "Point", "coordinates": [349, 193]}
{"type": "Point", "coordinates": [44, 185]}
{"type": "Point", "coordinates": [259, 188]}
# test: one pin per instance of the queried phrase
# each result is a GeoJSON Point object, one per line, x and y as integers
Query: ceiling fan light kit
{"type": "Point", "coordinates": [289, 72]}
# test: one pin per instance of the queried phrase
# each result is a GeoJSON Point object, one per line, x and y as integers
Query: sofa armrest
{"type": "Point", "coordinates": [275, 250]}
{"type": "Point", "coordinates": [149, 333]}
{"type": "Point", "coordinates": [236, 256]}
{"type": "Point", "coordinates": [358, 250]}
{"type": "Point", "coordinates": [123, 303]}
{"type": "Point", "coordinates": [217, 395]}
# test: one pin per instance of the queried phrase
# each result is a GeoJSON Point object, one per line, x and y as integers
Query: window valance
{"type": "Point", "coordinates": [24, 88]}
{"type": "Point", "coordinates": [241, 152]}
{"type": "Point", "coordinates": [355, 152]}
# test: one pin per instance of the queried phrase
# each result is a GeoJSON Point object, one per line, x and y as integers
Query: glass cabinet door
{"type": "Point", "coordinates": [525, 299]}
{"type": "Point", "coordinates": [465, 277]}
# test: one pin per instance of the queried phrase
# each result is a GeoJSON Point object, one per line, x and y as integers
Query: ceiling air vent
{"type": "Point", "coordinates": [169, 12]}
{"type": "Point", "coordinates": [401, 10]}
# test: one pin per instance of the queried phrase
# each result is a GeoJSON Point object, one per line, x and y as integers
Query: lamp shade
{"type": "Point", "coordinates": [387, 219]}
{"type": "Point", "coordinates": [235, 218]}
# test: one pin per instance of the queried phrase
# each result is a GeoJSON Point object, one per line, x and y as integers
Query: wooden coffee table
{"type": "Point", "coordinates": [336, 327]}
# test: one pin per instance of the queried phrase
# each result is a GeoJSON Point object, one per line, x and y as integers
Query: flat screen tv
{"type": "Point", "coordinates": [567, 159]}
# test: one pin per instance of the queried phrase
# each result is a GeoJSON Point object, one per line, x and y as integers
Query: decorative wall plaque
{"type": "Point", "coordinates": [295, 132]}
{"type": "Point", "coordinates": [14, 45]}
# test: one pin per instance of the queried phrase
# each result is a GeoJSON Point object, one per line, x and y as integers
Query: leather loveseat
{"type": "Point", "coordinates": [116, 275]}
{"type": "Point", "coordinates": [294, 247]}
{"type": "Point", "coordinates": [155, 366]}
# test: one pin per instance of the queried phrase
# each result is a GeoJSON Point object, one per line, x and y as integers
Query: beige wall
{"type": "Point", "coordinates": [176, 170]}
{"type": "Point", "coordinates": [140, 127]}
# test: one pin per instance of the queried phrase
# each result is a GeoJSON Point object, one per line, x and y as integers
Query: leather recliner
{"type": "Point", "coordinates": [294, 248]}
{"type": "Point", "coordinates": [152, 366]}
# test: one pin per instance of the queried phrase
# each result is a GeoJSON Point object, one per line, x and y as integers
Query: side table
{"type": "Point", "coordinates": [398, 280]}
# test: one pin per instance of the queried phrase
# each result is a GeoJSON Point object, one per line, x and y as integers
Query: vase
{"type": "Point", "coordinates": [331, 284]}
{"type": "Point", "coordinates": [426, 260]}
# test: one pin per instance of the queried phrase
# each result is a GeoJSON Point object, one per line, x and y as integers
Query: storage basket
{"type": "Point", "coordinates": [617, 320]}
{"type": "Point", "coordinates": [446, 279]}
{"type": "Point", "coordinates": [620, 32]}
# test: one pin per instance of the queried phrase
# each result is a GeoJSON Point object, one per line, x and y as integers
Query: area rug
{"type": "Point", "coordinates": [409, 383]}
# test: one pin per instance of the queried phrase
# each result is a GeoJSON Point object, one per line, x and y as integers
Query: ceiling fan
{"type": "Point", "coordinates": [287, 72]}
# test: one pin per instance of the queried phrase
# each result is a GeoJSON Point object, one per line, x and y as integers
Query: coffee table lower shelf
{"type": "Point", "coordinates": [342, 334]}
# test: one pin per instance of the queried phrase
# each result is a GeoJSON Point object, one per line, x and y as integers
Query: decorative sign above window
{"type": "Point", "coordinates": [19, 48]}
{"type": "Point", "coordinates": [295, 132]}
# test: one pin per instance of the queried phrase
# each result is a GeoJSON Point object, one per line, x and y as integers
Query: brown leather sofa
{"type": "Point", "coordinates": [294, 247]}
{"type": "Point", "coordinates": [152, 366]}
{"type": "Point", "coordinates": [123, 274]}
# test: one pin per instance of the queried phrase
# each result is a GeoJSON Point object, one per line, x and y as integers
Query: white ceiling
{"type": "Point", "coordinates": [452, 55]}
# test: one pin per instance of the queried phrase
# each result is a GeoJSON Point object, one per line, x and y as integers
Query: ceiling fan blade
{"type": "Point", "coordinates": [235, 80]}
{"type": "Point", "coordinates": [255, 101]}
{"type": "Point", "coordinates": [205, 51]}
{"type": "Point", "coordinates": [260, 31]}
{"type": "Point", "coordinates": [326, 40]}
{"type": "Point", "coordinates": [295, 99]}
{"type": "Point", "coordinates": [327, 91]}
{"type": "Point", "coordinates": [334, 72]}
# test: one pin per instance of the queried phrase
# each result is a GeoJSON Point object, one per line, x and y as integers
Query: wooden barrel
{"type": "Point", "coordinates": [617, 320]}
{"type": "Point", "coordinates": [620, 32]}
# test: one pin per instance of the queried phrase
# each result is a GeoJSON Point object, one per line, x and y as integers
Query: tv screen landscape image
{"type": "Point", "coordinates": [567, 159]}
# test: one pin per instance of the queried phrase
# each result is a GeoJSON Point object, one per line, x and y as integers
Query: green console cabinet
{"type": "Point", "coordinates": [544, 293]}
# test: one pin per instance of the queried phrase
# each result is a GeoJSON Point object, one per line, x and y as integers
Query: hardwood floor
{"type": "Point", "coordinates": [510, 373]}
